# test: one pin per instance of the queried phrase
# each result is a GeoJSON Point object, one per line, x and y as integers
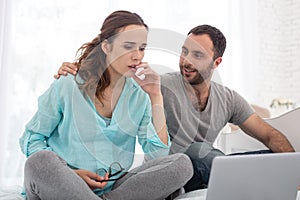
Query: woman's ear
{"type": "Point", "coordinates": [105, 47]}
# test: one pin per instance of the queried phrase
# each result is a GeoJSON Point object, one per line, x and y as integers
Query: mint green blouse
{"type": "Point", "coordinates": [67, 123]}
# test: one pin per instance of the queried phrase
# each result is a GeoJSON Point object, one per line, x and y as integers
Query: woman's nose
{"type": "Point", "coordinates": [137, 55]}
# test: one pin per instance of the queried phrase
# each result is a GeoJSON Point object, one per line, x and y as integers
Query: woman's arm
{"type": "Point", "coordinates": [158, 117]}
{"type": "Point", "coordinates": [151, 85]}
{"type": "Point", "coordinates": [43, 123]}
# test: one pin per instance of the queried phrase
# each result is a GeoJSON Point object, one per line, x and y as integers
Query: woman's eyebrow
{"type": "Point", "coordinates": [134, 43]}
{"type": "Point", "coordinates": [129, 42]}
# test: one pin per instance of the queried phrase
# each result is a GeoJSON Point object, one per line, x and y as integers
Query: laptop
{"type": "Point", "coordinates": [252, 177]}
{"type": "Point", "coordinates": [264, 176]}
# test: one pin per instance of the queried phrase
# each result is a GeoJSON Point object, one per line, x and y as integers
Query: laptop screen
{"type": "Point", "coordinates": [273, 176]}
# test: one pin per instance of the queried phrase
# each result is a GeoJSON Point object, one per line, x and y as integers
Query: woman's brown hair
{"type": "Point", "coordinates": [91, 61]}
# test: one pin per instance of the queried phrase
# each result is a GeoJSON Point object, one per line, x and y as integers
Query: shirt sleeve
{"type": "Point", "coordinates": [151, 144]}
{"type": "Point", "coordinates": [43, 123]}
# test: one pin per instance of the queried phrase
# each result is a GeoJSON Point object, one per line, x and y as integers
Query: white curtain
{"type": "Point", "coordinates": [37, 37]}
{"type": "Point", "coordinates": [5, 32]}
{"type": "Point", "coordinates": [243, 48]}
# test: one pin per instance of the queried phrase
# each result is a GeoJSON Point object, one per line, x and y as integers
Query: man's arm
{"type": "Point", "coordinates": [269, 136]}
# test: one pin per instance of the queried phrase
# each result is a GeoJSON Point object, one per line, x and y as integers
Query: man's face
{"type": "Point", "coordinates": [196, 60]}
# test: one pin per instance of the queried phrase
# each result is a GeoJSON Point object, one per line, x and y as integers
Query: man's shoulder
{"type": "Point", "coordinates": [221, 88]}
{"type": "Point", "coordinates": [170, 77]}
{"type": "Point", "coordinates": [224, 93]}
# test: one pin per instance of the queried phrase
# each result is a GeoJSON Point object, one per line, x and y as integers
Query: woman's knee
{"type": "Point", "coordinates": [184, 166]}
{"type": "Point", "coordinates": [39, 159]}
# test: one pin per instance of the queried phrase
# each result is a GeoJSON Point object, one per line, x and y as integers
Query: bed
{"type": "Point", "coordinates": [288, 123]}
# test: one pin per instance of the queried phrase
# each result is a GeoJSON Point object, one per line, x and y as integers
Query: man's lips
{"type": "Point", "coordinates": [189, 70]}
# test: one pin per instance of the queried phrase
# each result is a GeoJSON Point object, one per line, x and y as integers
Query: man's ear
{"type": "Point", "coordinates": [106, 47]}
{"type": "Point", "coordinates": [217, 62]}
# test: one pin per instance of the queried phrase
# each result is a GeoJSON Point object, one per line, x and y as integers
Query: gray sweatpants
{"type": "Point", "coordinates": [48, 177]}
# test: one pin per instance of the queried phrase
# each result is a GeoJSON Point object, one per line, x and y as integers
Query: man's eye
{"type": "Point", "coordinates": [184, 52]}
{"type": "Point", "coordinates": [198, 55]}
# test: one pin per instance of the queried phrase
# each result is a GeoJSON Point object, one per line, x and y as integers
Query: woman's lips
{"type": "Point", "coordinates": [132, 67]}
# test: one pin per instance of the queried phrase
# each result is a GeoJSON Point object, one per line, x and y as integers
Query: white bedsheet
{"type": "Point", "coordinates": [201, 195]}
{"type": "Point", "coordinates": [11, 193]}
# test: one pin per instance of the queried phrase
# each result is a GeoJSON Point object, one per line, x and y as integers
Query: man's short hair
{"type": "Point", "coordinates": [217, 37]}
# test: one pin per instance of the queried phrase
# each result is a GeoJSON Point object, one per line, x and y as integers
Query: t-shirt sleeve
{"type": "Point", "coordinates": [241, 109]}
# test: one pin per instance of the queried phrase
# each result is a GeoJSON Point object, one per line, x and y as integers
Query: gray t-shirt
{"type": "Point", "coordinates": [187, 125]}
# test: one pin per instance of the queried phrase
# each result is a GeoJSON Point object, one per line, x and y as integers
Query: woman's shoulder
{"type": "Point", "coordinates": [65, 81]}
{"type": "Point", "coordinates": [66, 85]}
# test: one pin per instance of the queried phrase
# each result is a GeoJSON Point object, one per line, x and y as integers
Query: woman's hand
{"type": "Point", "coordinates": [92, 179]}
{"type": "Point", "coordinates": [151, 83]}
{"type": "Point", "coordinates": [66, 68]}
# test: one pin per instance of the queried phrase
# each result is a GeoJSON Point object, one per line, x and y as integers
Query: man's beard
{"type": "Point", "coordinates": [201, 76]}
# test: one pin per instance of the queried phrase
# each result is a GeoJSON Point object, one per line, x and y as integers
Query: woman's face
{"type": "Point", "coordinates": [127, 50]}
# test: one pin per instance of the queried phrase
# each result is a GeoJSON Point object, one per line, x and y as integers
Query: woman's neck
{"type": "Point", "coordinates": [116, 80]}
{"type": "Point", "coordinates": [117, 83]}
{"type": "Point", "coordinates": [105, 104]}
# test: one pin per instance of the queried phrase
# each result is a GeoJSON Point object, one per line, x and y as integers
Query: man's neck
{"type": "Point", "coordinates": [198, 94]}
{"type": "Point", "coordinates": [201, 89]}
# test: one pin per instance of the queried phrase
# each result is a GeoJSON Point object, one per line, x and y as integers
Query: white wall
{"type": "Point", "coordinates": [280, 49]}
{"type": "Point", "coordinates": [278, 70]}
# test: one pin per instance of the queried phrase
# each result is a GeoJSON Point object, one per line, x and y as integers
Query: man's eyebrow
{"type": "Point", "coordinates": [198, 51]}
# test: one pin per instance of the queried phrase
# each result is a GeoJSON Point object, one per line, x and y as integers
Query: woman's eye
{"type": "Point", "coordinates": [142, 48]}
{"type": "Point", "coordinates": [128, 46]}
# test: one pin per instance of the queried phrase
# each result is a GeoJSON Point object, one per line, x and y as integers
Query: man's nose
{"type": "Point", "coordinates": [186, 60]}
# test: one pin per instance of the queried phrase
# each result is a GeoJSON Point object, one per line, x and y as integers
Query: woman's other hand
{"type": "Point", "coordinates": [92, 179]}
